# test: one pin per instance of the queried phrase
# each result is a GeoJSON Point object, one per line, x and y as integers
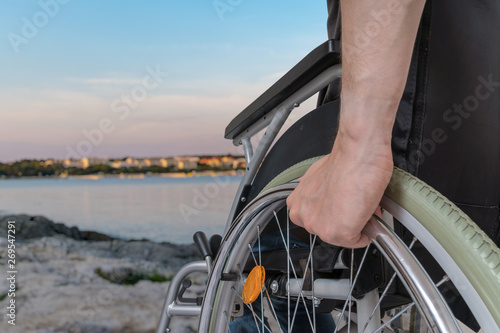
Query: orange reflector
{"type": "Point", "coordinates": [253, 284]}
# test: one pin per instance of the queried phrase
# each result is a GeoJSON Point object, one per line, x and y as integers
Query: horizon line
{"type": "Point", "coordinates": [121, 158]}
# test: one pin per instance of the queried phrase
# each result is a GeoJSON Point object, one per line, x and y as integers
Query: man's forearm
{"type": "Point", "coordinates": [377, 42]}
{"type": "Point", "coordinates": [340, 192]}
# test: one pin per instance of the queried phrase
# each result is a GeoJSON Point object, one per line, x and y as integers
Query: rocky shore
{"type": "Point", "coordinates": [68, 280]}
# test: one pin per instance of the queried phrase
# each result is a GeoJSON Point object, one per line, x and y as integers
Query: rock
{"type": "Point", "coordinates": [59, 247]}
{"type": "Point", "coordinates": [29, 227]}
{"type": "Point", "coordinates": [95, 236]}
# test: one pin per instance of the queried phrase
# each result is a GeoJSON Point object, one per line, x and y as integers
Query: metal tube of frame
{"type": "Point", "coordinates": [420, 284]}
{"type": "Point", "coordinates": [264, 144]}
{"type": "Point", "coordinates": [171, 308]}
{"type": "Point", "coordinates": [323, 288]}
{"type": "Point", "coordinates": [364, 308]}
{"type": "Point", "coordinates": [275, 120]}
{"type": "Point", "coordinates": [247, 147]}
{"type": "Point", "coordinates": [183, 310]}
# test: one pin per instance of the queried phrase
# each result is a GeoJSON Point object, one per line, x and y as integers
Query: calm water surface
{"type": "Point", "coordinates": [157, 208]}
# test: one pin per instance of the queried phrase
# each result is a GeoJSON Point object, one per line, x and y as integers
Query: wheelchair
{"type": "Point", "coordinates": [429, 267]}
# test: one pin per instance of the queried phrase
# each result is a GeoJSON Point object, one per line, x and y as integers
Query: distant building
{"type": "Point", "coordinates": [85, 163]}
{"type": "Point", "coordinates": [88, 162]}
{"type": "Point", "coordinates": [117, 164]}
{"type": "Point", "coordinates": [239, 163]}
{"type": "Point", "coordinates": [72, 164]}
{"type": "Point", "coordinates": [130, 162]}
{"type": "Point", "coordinates": [47, 162]}
{"type": "Point", "coordinates": [185, 162]}
{"type": "Point", "coordinates": [161, 162]}
{"type": "Point", "coordinates": [213, 162]}
{"type": "Point", "coordinates": [227, 162]}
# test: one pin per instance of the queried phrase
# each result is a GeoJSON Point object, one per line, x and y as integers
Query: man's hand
{"type": "Point", "coordinates": [341, 191]}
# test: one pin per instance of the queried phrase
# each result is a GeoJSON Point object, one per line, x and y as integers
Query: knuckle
{"type": "Point", "coordinates": [294, 217]}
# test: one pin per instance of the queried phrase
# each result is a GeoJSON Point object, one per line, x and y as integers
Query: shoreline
{"type": "Point", "coordinates": [32, 227]}
{"type": "Point", "coordinates": [191, 174]}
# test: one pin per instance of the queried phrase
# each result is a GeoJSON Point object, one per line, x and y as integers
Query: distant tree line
{"type": "Point", "coordinates": [35, 168]}
{"type": "Point", "coordinates": [30, 168]}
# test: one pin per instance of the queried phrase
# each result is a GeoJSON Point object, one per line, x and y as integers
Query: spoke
{"type": "Point", "coordinates": [260, 265]}
{"type": "Point", "coordinates": [395, 317]}
{"type": "Point", "coordinates": [384, 293]}
{"type": "Point", "coordinates": [290, 264]}
{"type": "Point", "coordinates": [270, 302]}
{"type": "Point", "coordinates": [253, 313]}
{"type": "Point", "coordinates": [258, 241]}
{"type": "Point", "coordinates": [253, 255]}
{"type": "Point", "coordinates": [379, 301]}
{"type": "Point", "coordinates": [286, 242]}
{"type": "Point", "coordinates": [311, 244]}
{"type": "Point", "coordinates": [254, 316]}
{"type": "Point", "coordinates": [445, 279]}
{"type": "Point", "coordinates": [228, 323]}
{"type": "Point", "coordinates": [301, 286]}
{"type": "Point", "coordinates": [287, 263]}
{"type": "Point", "coordinates": [287, 245]}
{"type": "Point", "coordinates": [353, 284]}
{"type": "Point", "coordinates": [350, 296]}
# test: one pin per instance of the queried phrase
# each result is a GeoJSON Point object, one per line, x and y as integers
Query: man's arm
{"type": "Point", "coordinates": [340, 192]}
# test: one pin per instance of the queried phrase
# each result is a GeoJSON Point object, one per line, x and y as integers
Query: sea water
{"type": "Point", "coordinates": [156, 208]}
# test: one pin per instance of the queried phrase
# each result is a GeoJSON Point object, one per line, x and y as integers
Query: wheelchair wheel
{"type": "Point", "coordinates": [270, 276]}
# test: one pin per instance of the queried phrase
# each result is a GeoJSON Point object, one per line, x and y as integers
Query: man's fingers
{"type": "Point", "coordinates": [363, 241]}
{"type": "Point", "coordinates": [336, 238]}
{"type": "Point", "coordinates": [294, 216]}
{"type": "Point", "coordinates": [293, 213]}
{"type": "Point", "coordinates": [289, 201]}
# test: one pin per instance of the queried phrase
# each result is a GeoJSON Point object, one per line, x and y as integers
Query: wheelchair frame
{"type": "Point", "coordinates": [315, 72]}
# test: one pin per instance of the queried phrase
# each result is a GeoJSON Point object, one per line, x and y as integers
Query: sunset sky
{"type": "Point", "coordinates": [141, 78]}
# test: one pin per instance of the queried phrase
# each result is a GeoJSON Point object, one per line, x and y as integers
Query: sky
{"type": "Point", "coordinates": [143, 78]}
